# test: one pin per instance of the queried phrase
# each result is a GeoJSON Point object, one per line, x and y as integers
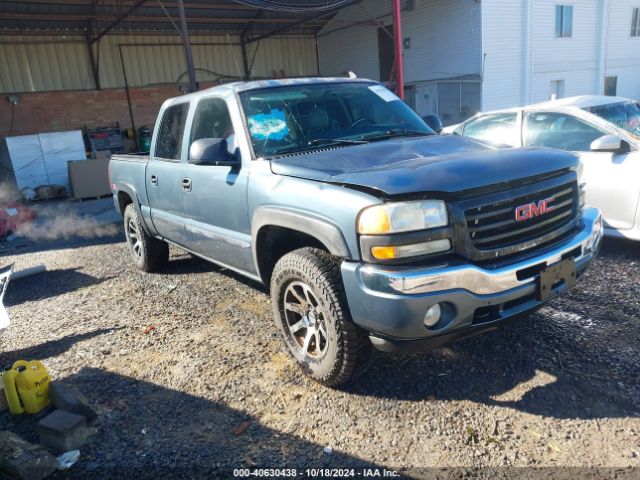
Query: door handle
{"type": "Point", "coordinates": [186, 184]}
{"type": "Point", "coordinates": [154, 180]}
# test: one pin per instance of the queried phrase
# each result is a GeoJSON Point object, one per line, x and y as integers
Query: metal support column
{"type": "Point", "coordinates": [126, 89]}
{"type": "Point", "coordinates": [95, 68]}
{"type": "Point", "coordinates": [187, 47]}
{"type": "Point", "coordinates": [397, 40]}
{"type": "Point", "coordinates": [245, 61]}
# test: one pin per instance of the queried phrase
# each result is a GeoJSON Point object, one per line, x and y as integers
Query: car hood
{"type": "Point", "coordinates": [443, 163]}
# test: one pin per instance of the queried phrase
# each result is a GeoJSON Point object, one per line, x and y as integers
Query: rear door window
{"type": "Point", "coordinates": [169, 137]}
{"type": "Point", "coordinates": [499, 129]}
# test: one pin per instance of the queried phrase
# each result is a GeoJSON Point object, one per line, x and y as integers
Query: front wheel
{"type": "Point", "coordinates": [311, 312]}
{"type": "Point", "coordinates": [149, 254]}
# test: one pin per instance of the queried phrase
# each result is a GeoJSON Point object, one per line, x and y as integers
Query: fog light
{"type": "Point", "coordinates": [433, 315]}
{"type": "Point", "coordinates": [411, 250]}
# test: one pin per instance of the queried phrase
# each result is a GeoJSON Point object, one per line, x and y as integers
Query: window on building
{"type": "Point", "coordinates": [499, 129]}
{"type": "Point", "coordinates": [169, 144]}
{"type": "Point", "coordinates": [564, 20]}
{"type": "Point", "coordinates": [558, 130]}
{"type": "Point", "coordinates": [556, 89]}
{"type": "Point", "coordinates": [635, 23]}
{"type": "Point", "coordinates": [610, 86]}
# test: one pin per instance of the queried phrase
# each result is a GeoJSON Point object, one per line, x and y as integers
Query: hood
{"type": "Point", "coordinates": [445, 163]}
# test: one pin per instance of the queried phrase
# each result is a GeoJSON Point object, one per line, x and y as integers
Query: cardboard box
{"type": "Point", "coordinates": [89, 178]}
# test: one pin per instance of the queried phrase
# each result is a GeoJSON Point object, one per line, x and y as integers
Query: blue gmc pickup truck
{"type": "Point", "coordinates": [369, 228]}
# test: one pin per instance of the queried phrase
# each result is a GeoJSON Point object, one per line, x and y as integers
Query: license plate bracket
{"type": "Point", "coordinates": [563, 271]}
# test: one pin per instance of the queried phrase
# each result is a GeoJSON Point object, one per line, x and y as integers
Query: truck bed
{"type": "Point", "coordinates": [130, 169]}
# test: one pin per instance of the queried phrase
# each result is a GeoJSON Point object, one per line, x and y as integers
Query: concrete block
{"type": "Point", "coordinates": [69, 399]}
{"type": "Point", "coordinates": [63, 431]}
{"type": "Point", "coordinates": [23, 460]}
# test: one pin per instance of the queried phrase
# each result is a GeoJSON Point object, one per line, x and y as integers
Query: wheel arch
{"type": "Point", "coordinates": [278, 231]}
{"type": "Point", "coordinates": [126, 195]}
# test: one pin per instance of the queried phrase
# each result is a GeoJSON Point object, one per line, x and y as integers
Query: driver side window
{"type": "Point", "coordinates": [558, 130]}
{"type": "Point", "coordinates": [211, 120]}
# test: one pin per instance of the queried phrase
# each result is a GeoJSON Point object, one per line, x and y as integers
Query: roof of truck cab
{"type": "Point", "coordinates": [258, 84]}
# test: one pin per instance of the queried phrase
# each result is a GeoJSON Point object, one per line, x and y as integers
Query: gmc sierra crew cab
{"type": "Point", "coordinates": [368, 227]}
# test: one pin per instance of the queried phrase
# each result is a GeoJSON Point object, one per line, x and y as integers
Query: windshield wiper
{"type": "Point", "coordinates": [334, 141]}
{"type": "Point", "coordinates": [396, 132]}
{"type": "Point", "coordinates": [314, 143]}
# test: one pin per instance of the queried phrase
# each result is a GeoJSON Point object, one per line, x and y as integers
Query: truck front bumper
{"type": "Point", "coordinates": [391, 302]}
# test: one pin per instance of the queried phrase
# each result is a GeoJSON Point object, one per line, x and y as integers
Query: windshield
{"type": "Point", "coordinates": [296, 118]}
{"type": "Point", "coordinates": [625, 115]}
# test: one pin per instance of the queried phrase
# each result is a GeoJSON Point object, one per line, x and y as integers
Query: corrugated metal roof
{"type": "Point", "coordinates": [212, 16]}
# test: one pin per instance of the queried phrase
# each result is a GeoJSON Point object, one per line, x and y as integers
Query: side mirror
{"type": "Point", "coordinates": [609, 143]}
{"type": "Point", "coordinates": [434, 122]}
{"type": "Point", "coordinates": [212, 151]}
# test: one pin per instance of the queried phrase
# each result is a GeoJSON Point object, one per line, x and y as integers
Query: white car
{"type": "Point", "coordinates": [603, 131]}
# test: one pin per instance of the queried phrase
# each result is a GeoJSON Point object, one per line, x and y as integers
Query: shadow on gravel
{"type": "Point", "coordinates": [49, 284]}
{"type": "Point", "coordinates": [533, 365]}
{"type": "Point", "coordinates": [147, 432]}
{"type": "Point", "coordinates": [52, 348]}
{"type": "Point", "coordinates": [185, 263]}
{"type": "Point", "coordinates": [617, 247]}
{"type": "Point", "coordinates": [22, 246]}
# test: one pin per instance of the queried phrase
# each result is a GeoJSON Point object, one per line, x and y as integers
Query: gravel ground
{"type": "Point", "coordinates": [188, 375]}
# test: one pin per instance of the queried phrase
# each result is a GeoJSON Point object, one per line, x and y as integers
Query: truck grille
{"type": "Point", "coordinates": [493, 226]}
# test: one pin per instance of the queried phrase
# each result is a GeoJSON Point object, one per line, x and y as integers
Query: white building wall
{"type": "Point", "coordinates": [523, 55]}
{"type": "Point", "coordinates": [502, 46]}
{"type": "Point", "coordinates": [622, 56]}
{"type": "Point", "coordinates": [444, 35]}
{"type": "Point", "coordinates": [573, 60]}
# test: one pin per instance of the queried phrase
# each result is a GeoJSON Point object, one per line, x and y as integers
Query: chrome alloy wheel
{"type": "Point", "coordinates": [134, 238]}
{"type": "Point", "coordinates": [305, 319]}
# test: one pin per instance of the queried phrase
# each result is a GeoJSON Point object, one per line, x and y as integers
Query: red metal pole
{"type": "Point", "coordinates": [397, 38]}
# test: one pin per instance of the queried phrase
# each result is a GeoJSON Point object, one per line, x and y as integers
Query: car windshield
{"type": "Point", "coordinates": [625, 115]}
{"type": "Point", "coordinates": [296, 118]}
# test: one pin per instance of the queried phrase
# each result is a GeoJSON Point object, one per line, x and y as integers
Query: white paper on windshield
{"type": "Point", "coordinates": [383, 93]}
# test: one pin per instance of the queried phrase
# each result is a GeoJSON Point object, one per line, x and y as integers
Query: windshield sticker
{"type": "Point", "coordinates": [383, 93]}
{"type": "Point", "coordinates": [270, 126]}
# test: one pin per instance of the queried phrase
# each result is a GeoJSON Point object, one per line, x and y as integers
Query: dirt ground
{"type": "Point", "coordinates": [188, 375]}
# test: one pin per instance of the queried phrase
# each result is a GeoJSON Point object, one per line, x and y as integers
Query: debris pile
{"type": "Point", "coordinates": [26, 388]}
{"type": "Point", "coordinates": [12, 218]}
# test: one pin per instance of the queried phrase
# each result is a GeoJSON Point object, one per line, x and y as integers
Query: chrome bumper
{"type": "Point", "coordinates": [481, 281]}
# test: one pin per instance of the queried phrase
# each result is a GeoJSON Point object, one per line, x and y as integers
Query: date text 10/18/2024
{"type": "Point", "coordinates": [315, 472]}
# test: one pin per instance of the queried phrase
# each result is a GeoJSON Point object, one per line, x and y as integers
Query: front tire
{"type": "Point", "coordinates": [311, 312]}
{"type": "Point", "coordinates": [149, 254]}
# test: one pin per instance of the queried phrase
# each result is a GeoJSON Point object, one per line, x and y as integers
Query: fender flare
{"type": "Point", "coordinates": [131, 191]}
{"type": "Point", "coordinates": [315, 226]}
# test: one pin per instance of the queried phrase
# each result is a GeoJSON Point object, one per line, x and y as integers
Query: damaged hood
{"type": "Point", "coordinates": [442, 163]}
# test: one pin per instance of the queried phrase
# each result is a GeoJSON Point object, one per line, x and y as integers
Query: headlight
{"type": "Point", "coordinates": [402, 217]}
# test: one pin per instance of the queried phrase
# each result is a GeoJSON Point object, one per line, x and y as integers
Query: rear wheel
{"type": "Point", "coordinates": [310, 309]}
{"type": "Point", "coordinates": [148, 253]}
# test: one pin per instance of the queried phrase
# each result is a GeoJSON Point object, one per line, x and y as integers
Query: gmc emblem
{"type": "Point", "coordinates": [533, 210]}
